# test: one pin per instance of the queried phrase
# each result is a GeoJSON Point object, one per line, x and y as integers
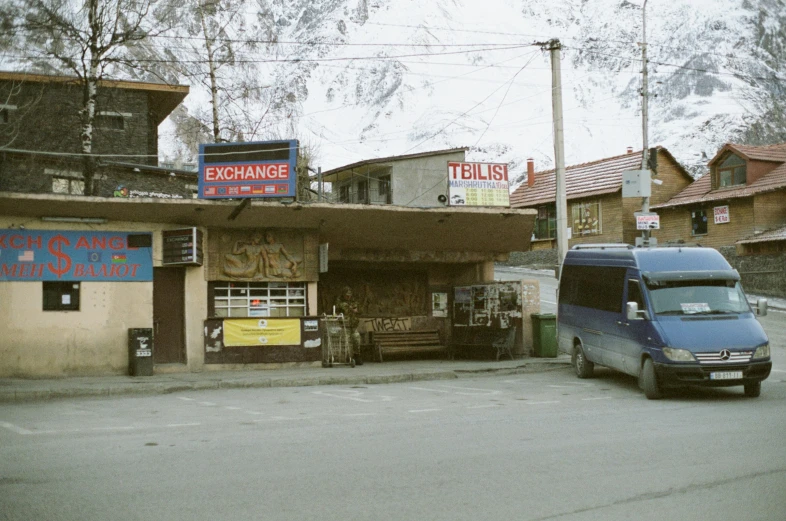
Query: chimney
{"type": "Point", "coordinates": [630, 150]}
{"type": "Point", "coordinates": [530, 172]}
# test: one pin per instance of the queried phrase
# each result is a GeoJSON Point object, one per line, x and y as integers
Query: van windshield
{"type": "Point", "coordinates": [696, 297]}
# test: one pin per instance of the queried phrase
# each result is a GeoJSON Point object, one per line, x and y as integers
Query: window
{"type": "Point", "coordinates": [61, 296]}
{"type": "Point", "coordinates": [258, 299]}
{"type": "Point", "coordinates": [596, 287]}
{"type": "Point", "coordinates": [731, 172]}
{"type": "Point", "coordinates": [66, 185]}
{"type": "Point", "coordinates": [383, 186]}
{"type": "Point", "coordinates": [109, 121]}
{"type": "Point", "coordinates": [343, 194]}
{"type": "Point", "coordinates": [362, 191]}
{"type": "Point", "coordinates": [546, 222]}
{"type": "Point", "coordinates": [586, 219]}
{"type": "Point", "coordinates": [698, 221]}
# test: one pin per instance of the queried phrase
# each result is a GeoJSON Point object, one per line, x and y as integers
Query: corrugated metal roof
{"type": "Point", "coordinates": [393, 158]}
{"type": "Point", "coordinates": [778, 234]}
{"type": "Point", "coordinates": [584, 180]}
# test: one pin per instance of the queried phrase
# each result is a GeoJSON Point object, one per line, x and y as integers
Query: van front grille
{"type": "Point", "coordinates": [725, 356]}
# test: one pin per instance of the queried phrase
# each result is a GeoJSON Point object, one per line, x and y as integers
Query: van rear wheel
{"type": "Point", "coordinates": [583, 367]}
{"type": "Point", "coordinates": [753, 390]}
{"type": "Point", "coordinates": [649, 381]}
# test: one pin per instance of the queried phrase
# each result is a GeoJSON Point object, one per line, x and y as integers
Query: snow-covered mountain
{"type": "Point", "coordinates": [358, 79]}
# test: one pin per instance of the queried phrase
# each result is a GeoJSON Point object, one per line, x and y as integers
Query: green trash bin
{"type": "Point", "coordinates": [544, 334]}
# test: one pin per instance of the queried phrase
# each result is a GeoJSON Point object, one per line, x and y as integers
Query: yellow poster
{"type": "Point", "coordinates": [262, 332]}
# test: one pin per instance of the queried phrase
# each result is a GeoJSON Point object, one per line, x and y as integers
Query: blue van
{"type": "Point", "coordinates": [671, 316]}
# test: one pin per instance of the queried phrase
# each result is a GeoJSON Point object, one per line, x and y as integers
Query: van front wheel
{"type": "Point", "coordinates": [584, 368]}
{"type": "Point", "coordinates": [649, 382]}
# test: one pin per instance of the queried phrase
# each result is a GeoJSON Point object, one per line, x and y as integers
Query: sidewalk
{"type": "Point", "coordinates": [370, 373]}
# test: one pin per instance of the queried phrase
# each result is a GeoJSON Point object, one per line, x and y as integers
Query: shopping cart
{"type": "Point", "coordinates": [336, 342]}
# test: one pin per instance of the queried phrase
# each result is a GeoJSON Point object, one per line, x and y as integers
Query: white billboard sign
{"type": "Point", "coordinates": [478, 184]}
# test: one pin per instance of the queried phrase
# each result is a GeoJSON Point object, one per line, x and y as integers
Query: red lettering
{"type": "Point", "coordinates": [9, 271]}
{"type": "Point", "coordinates": [99, 243]}
{"type": "Point", "coordinates": [79, 271]}
{"type": "Point", "coordinates": [34, 242]}
{"type": "Point", "coordinates": [82, 243]}
{"type": "Point", "coordinates": [466, 171]}
{"type": "Point", "coordinates": [117, 243]}
{"type": "Point", "coordinates": [134, 267]}
{"type": "Point", "coordinates": [453, 170]}
{"type": "Point", "coordinates": [17, 241]}
{"type": "Point", "coordinates": [479, 172]}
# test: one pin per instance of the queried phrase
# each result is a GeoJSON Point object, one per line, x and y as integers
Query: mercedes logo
{"type": "Point", "coordinates": [725, 354]}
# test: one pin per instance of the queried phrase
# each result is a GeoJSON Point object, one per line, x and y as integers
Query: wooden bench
{"type": "Point", "coordinates": [406, 342]}
{"type": "Point", "coordinates": [502, 340]}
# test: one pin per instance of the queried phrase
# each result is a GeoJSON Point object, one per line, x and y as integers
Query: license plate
{"type": "Point", "coordinates": [726, 375]}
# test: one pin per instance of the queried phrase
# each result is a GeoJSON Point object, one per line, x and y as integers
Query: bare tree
{"type": "Point", "coordinates": [88, 38]}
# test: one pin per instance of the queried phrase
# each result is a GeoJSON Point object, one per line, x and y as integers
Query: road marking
{"type": "Point", "coordinates": [353, 395]}
{"type": "Point", "coordinates": [484, 406]}
{"type": "Point", "coordinates": [176, 425]}
{"type": "Point", "coordinates": [429, 389]}
{"type": "Point", "coordinates": [185, 399]}
{"type": "Point", "coordinates": [462, 388]}
{"type": "Point", "coordinates": [597, 398]}
{"type": "Point", "coordinates": [15, 428]}
{"type": "Point", "coordinates": [417, 411]}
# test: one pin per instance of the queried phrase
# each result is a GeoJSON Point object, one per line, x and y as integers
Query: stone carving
{"type": "Point", "coordinates": [261, 259]}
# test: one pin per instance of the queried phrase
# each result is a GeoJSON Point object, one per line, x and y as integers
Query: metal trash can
{"type": "Point", "coordinates": [140, 352]}
{"type": "Point", "coordinates": [544, 334]}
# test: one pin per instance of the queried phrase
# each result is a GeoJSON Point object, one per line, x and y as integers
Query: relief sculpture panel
{"type": "Point", "coordinates": [262, 255]}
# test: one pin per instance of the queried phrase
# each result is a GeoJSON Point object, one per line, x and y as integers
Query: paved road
{"type": "Point", "coordinates": [528, 447]}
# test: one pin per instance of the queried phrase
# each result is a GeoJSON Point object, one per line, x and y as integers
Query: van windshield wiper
{"type": "Point", "coordinates": [671, 312]}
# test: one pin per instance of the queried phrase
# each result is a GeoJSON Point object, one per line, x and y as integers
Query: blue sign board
{"type": "Point", "coordinates": [75, 255]}
{"type": "Point", "coordinates": [248, 170]}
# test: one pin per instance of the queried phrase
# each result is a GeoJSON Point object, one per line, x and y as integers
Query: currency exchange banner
{"type": "Point", "coordinates": [53, 255]}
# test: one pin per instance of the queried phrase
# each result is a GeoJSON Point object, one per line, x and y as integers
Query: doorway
{"type": "Point", "coordinates": [169, 316]}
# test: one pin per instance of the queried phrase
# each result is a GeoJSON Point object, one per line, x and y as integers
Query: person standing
{"type": "Point", "coordinates": [348, 306]}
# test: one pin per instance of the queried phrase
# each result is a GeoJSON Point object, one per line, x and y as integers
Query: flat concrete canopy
{"type": "Point", "coordinates": [377, 227]}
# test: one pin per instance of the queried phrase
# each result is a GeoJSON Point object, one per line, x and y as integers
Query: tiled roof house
{"type": "Point", "coordinates": [742, 200]}
{"type": "Point", "coordinates": [597, 213]}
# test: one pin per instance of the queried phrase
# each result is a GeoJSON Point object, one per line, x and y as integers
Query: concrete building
{"type": "Point", "coordinates": [407, 180]}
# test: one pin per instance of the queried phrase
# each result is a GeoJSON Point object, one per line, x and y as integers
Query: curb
{"type": "Point", "coordinates": [150, 388]}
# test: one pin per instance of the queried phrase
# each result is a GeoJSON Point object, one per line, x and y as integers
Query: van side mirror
{"type": "Point", "coordinates": [632, 311]}
{"type": "Point", "coordinates": [761, 307]}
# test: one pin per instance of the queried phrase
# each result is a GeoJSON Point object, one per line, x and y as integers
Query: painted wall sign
{"type": "Point", "coordinates": [76, 255]}
{"type": "Point", "coordinates": [248, 170]}
{"type": "Point", "coordinates": [478, 184]}
{"type": "Point", "coordinates": [262, 332]}
{"type": "Point", "coordinates": [721, 214]}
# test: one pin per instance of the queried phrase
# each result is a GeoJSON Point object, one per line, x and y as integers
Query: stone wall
{"type": "Point", "coordinates": [761, 274]}
{"type": "Point", "coordinates": [536, 259]}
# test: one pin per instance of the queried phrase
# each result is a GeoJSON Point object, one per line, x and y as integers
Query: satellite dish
{"type": "Point", "coordinates": [442, 199]}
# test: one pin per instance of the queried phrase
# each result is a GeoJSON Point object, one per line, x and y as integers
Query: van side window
{"type": "Point", "coordinates": [634, 293]}
{"type": "Point", "coordinates": [596, 287]}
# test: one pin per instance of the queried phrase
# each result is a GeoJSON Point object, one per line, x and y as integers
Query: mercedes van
{"type": "Point", "coordinates": [671, 316]}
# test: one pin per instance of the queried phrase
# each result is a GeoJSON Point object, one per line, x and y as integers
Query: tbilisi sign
{"type": "Point", "coordinates": [248, 170]}
{"type": "Point", "coordinates": [478, 184]}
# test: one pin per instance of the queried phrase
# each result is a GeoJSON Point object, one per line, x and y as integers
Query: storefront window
{"type": "Point", "coordinates": [586, 219]}
{"type": "Point", "coordinates": [258, 299]}
{"type": "Point", "coordinates": [698, 220]}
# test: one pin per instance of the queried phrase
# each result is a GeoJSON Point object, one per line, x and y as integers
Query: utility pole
{"type": "Point", "coordinates": [555, 47]}
{"type": "Point", "coordinates": [645, 203]}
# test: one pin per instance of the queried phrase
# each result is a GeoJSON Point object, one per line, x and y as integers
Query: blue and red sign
{"type": "Point", "coordinates": [75, 255]}
{"type": "Point", "coordinates": [245, 170]}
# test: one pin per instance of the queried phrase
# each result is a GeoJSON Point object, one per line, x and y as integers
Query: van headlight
{"type": "Point", "coordinates": [762, 351]}
{"type": "Point", "coordinates": [678, 355]}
